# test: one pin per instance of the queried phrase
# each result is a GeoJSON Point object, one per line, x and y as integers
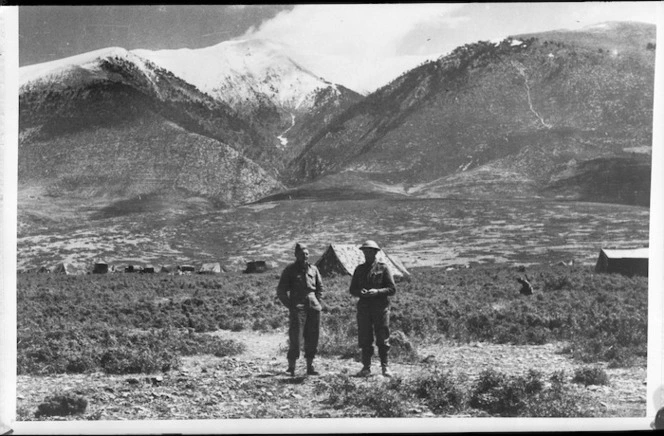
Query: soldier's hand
{"type": "Point", "coordinates": [371, 292]}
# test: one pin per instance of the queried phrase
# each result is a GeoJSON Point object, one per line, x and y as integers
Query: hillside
{"type": "Point", "coordinates": [110, 123]}
{"type": "Point", "coordinates": [507, 118]}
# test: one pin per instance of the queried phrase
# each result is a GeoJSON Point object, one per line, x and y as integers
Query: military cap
{"type": "Point", "coordinates": [369, 244]}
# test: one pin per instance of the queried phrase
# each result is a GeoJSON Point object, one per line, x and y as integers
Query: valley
{"type": "Point", "coordinates": [422, 232]}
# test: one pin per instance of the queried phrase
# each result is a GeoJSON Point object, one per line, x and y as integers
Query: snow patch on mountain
{"type": "Point", "coordinates": [90, 61]}
{"type": "Point", "coordinates": [239, 72]}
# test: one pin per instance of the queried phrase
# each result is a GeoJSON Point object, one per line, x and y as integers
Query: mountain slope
{"type": "Point", "coordinates": [111, 123]}
{"type": "Point", "coordinates": [504, 118]}
{"type": "Point", "coordinates": [263, 84]}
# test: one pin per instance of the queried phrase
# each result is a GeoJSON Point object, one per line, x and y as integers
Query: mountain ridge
{"type": "Point", "coordinates": [542, 103]}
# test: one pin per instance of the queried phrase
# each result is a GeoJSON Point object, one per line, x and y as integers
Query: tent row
{"type": "Point", "coordinates": [105, 268]}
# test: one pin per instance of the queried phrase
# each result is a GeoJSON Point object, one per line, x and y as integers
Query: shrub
{"type": "Point", "coordinates": [499, 394]}
{"type": "Point", "coordinates": [384, 400]}
{"type": "Point", "coordinates": [62, 404]}
{"type": "Point", "coordinates": [591, 376]}
{"type": "Point", "coordinates": [442, 392]}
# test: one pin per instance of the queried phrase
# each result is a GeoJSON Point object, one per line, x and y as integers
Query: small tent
{"type": "Point", "coordinates": [342, 259]}
{"type": "Point", "coordinates": [147, 269]}
{"type": "Point", "coordinates": [256, 266]}
{"type": "Point", "coordinates": [628, 262]}
{"type": "Point", "coordinates": [64, 268]}
{"type": "Point", "coordinates": [186, 269]}
{"type": "Point", "coordinates": [100, 267]}
{"type": "Point", "coordinates": [210, 268]}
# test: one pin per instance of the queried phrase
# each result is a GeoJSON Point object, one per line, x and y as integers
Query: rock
{"type": "Point", "coordinates": [132, 381]}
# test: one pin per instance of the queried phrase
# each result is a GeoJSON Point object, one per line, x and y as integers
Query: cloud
{"type": "Point", "coordinates": [358, 45]}
{"type": "Point", "coordinates": [364, 46]}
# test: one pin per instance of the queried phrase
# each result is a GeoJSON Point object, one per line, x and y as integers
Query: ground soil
{"type": "Point", "coordinates": [254, 384]}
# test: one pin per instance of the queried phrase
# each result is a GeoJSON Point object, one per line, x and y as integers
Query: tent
{"type": "Point", "coordinates": [210, 268]}
{"type": "Point", "coordinates": [64, 268]}
{"type": "Point", "coordinates": [100, 267]}
{"type": "Point", "coordinates": [342, 259]}
{"type": "Point", "coordinates": [256, 266]}
{"type": "Point", "coordinates": [186, 268]}
{"type": "Point", "coordinates": [628, 262]}
{"type": "Point", "coordinates": [170, 269]}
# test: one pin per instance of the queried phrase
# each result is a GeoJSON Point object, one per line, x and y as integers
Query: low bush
{"type": "Point", "coordinates": [62, 404]}
{"type": "Point", "coordinates": [591, 376]}
{"type": "Point", "coordinates": [384, 400]}
{"type": "Point", "coordinates": [503, 395]}
{"type": "Point", "coordinates": [114, 351]}
{"type": "Point", "coordinates": [442, 392]}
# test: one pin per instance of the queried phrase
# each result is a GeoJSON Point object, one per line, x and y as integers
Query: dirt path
{"type": "Point", "coordinates": [254, 385]}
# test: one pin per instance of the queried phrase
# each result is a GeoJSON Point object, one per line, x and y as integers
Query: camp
{"type": "Point", "coordinates": [342, 259]}
{"type": "Point", "coordinates": [628, 262]}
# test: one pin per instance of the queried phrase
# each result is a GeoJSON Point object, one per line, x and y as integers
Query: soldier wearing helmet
{"type": "Point", "coordinates": [373, 283]}
{"type": "Point", "coordinates": [299, 289]}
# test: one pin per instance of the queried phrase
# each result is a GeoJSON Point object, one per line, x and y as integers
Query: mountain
{"type": "Point", "coordinates": [525, 116]}
{"type": "Point", "coordinates": [258, 79]}
{"type": "Point", "coordinates": [112, 124]}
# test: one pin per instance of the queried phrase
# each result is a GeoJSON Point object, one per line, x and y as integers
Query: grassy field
{"type": "Point", "coordinates": [149, 323]}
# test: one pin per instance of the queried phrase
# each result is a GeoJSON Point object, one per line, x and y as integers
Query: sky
{"type": "Point", "coordinates": [361, 46]}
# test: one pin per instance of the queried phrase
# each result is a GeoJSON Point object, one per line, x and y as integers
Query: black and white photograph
{"type": "Point", "coordinates": [331, 218]}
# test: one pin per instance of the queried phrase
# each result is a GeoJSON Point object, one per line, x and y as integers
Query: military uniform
{"type": "Point", "coordinates": [300, 289]}
{"type": "Point", "coordinates": [373, 313]}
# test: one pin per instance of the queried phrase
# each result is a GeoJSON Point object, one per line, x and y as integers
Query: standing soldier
{"type": "Point", "coordinates": [300, 288]}
{"type": "Point", "coordinates": [372, 283]}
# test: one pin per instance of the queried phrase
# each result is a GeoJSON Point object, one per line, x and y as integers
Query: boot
{"type": "Point", "coordinates": [291, 367]}
{"type": "Point", "coordinates": [366, 363]}
{"type": "Point", "coordinates": [383, 363]}
{"type": "Point", "coordinates": [310, 368]}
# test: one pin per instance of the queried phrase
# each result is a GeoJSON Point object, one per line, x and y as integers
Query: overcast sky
{"type": "Point", "coordinates": [361, 46]}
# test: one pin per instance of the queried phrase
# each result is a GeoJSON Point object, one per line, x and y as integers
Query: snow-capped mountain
{"type": "Point", "coordinates": [244, 72]}
{"type": "Point", "coordinates": [263, 83]}
{"type": "Point", "coordinates": [110, 123]}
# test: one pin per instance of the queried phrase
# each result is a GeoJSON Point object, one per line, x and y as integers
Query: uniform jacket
{"type": "Point", "coordinates": [376, 276]}
{"type": "Point", "coordinates": [300, 286]}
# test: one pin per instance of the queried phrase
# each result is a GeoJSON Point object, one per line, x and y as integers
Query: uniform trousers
{"type": "Point", "coordinates": [304, 330]}
{"type": "Point", "coordinates": [373, 321]}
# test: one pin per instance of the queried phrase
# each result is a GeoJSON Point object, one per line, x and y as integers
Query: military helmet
{"type": "Point", "coordinates": [369, 244]}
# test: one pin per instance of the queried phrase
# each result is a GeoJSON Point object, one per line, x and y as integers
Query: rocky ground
{"type": "Point", "coordinates": [254, 385]}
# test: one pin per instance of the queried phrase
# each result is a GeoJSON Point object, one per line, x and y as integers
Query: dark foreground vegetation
{"type": "Point", "coordinates": [130, 323]}
{"type": "Point", "coordinates": [124, 323]}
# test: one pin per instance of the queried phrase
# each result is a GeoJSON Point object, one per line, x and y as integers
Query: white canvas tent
{"type": "Point", "coordinates": [342, 259]}
{"type": "Point", "coordinates": [210, 268]}
{"type": "Point", "coordinates": [628, 262]}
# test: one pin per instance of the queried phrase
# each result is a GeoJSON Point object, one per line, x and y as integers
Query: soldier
{"type": "Point", "coordinates": [372, 283]}
{"type": "Point", "coordinates": [300, 288]}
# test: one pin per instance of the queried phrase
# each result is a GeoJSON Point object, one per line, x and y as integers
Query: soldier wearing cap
{"type": "Point", "coordinates": [299, 289]}
{"type": "Point", "coordinates": [373, 283]}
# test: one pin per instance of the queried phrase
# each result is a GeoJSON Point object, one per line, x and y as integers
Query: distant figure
{"type": "Point", "coordinates": [526, 288]}
{"type": "Point", "coordinates": [373, 283]}
{"type": "Point", "coordinates": [299, 289]}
